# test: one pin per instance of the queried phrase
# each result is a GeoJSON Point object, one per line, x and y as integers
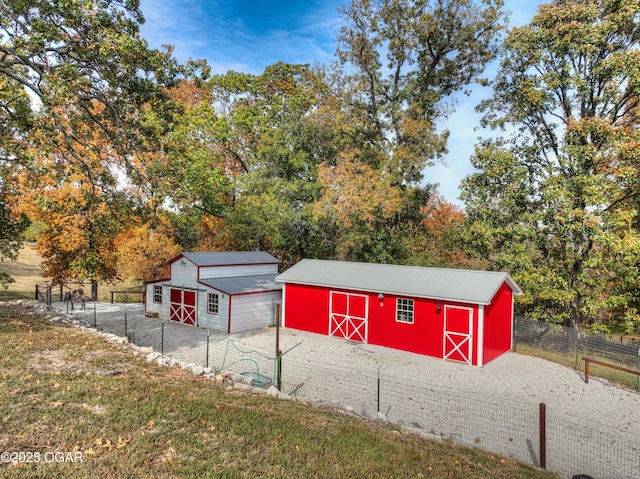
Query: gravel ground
{"type": "Point", "coordinates": [592, 428]}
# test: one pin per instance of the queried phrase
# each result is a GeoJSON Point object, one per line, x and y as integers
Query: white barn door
{"type": "Point", "coordinates": [458, 331]}
{"type": "Point", "coordinates": [348, 316]}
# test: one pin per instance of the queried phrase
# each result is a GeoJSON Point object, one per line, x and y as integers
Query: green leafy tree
{"type": "Point", "coordinates": [557, 203]}
{"type": "Point", "coordinates": [12, 227]}
{"type": "Point", "coordinates": [83, 58]}
{"type": "Point", "coordinates": [244, 158]}
{"type": "Point", "coordinates": [404, 58]}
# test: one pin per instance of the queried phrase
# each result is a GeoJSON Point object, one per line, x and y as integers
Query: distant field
{"type": "Point", "coordinates": [26, 272]}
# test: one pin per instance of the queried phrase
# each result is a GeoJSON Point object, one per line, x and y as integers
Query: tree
{"type": "Point", "coordinates": [244, 158]}
{"type": "Point", "coordinates": [362, 206]}
{"type": "Point", "coordinates": [279, 136]}
{"type": "Point", "coordinates": [437, 240]}
{"type": "Point", "coordinates": [70, 73]}
{"type": "Point", "coordinates": [430, 50]}
{"type": "Point", "coordinates": [11, 229]}
{"type": "Point", "coordinates": [82, 204]}
{"type": "Point", "coordinates": [557, 203]}
{"type": "Point", "coordinates": [143, 251]}
{"type": "Point", "coordinates": [15, 114]}
{"type": "Point", "coordinates": [84, 58]}
{"type": "Point", "coordinates": [402, 61]}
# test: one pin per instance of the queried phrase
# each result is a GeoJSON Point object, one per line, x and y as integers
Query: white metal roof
{"type": "Point", "coordinates": [228, 258]}
{"type": "Point", "coordinates": [243, 284]}
{"type": "Point", "coordinates": [467, 286]}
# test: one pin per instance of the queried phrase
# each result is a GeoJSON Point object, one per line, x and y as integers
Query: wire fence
{"type": "Point", "coordinates": [574, 447]}
{"type": "Point", "coordinates": [512, 429]}
{"type": "Point", "coordinates": [572, 345]}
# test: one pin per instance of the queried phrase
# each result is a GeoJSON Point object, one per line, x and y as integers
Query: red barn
{"type": "Point", "coordinates": [460, 315]}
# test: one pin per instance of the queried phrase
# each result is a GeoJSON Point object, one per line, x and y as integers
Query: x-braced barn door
{"type": "Point", "coordinates": [458, 327]}
{"type": "Point", "coordinates": [348, 316]}
{"type": "Point", "coordinates": [183, 306]}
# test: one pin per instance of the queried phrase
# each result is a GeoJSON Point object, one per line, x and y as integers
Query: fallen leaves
{"type": "Point", "coordinates": [106, 445]}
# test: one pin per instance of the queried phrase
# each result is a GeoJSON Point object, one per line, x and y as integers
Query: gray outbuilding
{"type": "Point", "coordinates": [227, 291]}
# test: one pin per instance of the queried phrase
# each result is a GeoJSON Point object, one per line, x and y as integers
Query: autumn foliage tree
{"type": "Point", "coordinates": [143, 251]}
{"type": "Point", "coordinates": [75, 82]}
{"type": "Point", "coordinates": [75, 194]}
{"type": "Point", "coordinates": [436, 241]}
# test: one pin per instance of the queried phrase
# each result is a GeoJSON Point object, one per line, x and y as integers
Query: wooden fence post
{"type": "Point", "coordinates": [586, 370]}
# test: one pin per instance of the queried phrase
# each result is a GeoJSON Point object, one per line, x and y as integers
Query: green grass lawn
{"type": "Point", "coordinates": [66, 391]}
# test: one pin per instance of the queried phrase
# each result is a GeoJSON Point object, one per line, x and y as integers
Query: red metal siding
{"type": "Point", "coordinates": [307, 309]}
{"type": "Point", "coordinates": [423, 336]}
{"type": "Point", "coordinates": [498, 324]}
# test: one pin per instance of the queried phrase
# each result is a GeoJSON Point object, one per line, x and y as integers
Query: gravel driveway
{"type": "Point", "coordinates": [592, 429]}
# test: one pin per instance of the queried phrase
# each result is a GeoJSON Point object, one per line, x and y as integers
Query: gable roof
{"type": "Point", "coordinates": [243, 284]}
{"type": "Point", "coordinates": [467, 286]}
{"type": "Point", "coordinates": [227, 258]}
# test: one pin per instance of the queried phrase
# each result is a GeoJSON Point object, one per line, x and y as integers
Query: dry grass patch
{"type": "Point", "coordinates": [26, 272]}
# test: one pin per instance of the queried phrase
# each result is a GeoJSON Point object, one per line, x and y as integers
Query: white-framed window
{"type": "Point", "coordinates": [157, 293]}
{"type": "Point", "coordinates": [404, 310]}
{"type": "Point", "coordinates": [213, 303]}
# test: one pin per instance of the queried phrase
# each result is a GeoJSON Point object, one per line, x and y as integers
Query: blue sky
{"type": "Point", "coordinates": [247, 36]}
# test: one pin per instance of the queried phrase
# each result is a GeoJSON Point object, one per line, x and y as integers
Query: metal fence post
{"type": "Point", "coordinates": [278, 352]}
{"type": "Point", "coordinates": [207, 362]}
{"type": "Point", "coordinates": [638, 380]}
{"type": "Point", "coordinates": [543, 435]}
{"type": "Point", "coordinates": [279, 370]}
{"type": "Point", "coordinates": [162, 339]}
{"type": "Point", "coordinates": [126, 329]}
{"type": "Point", "coordinates": [378, 390]}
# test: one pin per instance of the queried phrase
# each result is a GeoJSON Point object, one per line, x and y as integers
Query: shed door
{"type": "Point", "coordinates": [458, 326]}
{"type": "Point", "coordinates": [348, 316]}
{"type": "Point", "coordinates": [182, 306]}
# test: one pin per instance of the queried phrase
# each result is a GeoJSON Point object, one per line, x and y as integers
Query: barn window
{"type": "Point", "coordinates": [213, 303]}
{"type": "Point", "coordinates": [404, 310]}
{"type": "Point", "coordinates": [157, 294]}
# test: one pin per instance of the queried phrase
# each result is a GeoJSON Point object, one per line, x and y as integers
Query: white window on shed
{"type": "Point", "coordinates": [213, 303]}
{"type": "Point", "coordinates": [404, 310]}
{"type": "Point", "coordinates": [157, 294]}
